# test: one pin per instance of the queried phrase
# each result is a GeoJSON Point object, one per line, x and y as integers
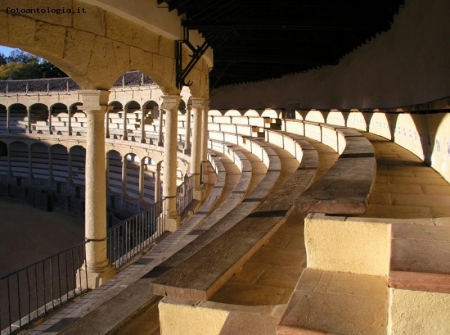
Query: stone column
{"type": "Point", "coordinates": [367, 118]}
{"type": "Point", "coordinates": [125, 134]}
{"type": "Point", "coordinates": [99, 270]}
{"type": "Point", "coordinates": [124, 176]}
{"type": "Point", "coordinates": [107, 121]}
{"type": "Point", "coordinates": [8, 118]}
{"type": "Point", "coordinates": [28, 119]}
{"type": "Point", "coordinates": [187, 139]}
{"type": "Point", "coordinates": [69, 122]}
{"type": "Point", "coordinates": [157, 192]}
{"type": "Point", "coordinates": [50, 121]}
{"type": "Point", "coordinates": [205, 137]}
{"type": "Point", "coordinates": [196, 153]}
{"type": "Point", "coordinates": [160, 127]}
{"type": "Point", "coordinates": [170, 106]}
{"type": "Point", "coordinates": [143, 124]}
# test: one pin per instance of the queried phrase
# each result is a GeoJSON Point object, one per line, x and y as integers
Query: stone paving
{"type": "Point", "coordinates": [405, 187]}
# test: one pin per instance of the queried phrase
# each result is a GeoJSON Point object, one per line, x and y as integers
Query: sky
{"type": "Point", "coordinates": [6, 50]}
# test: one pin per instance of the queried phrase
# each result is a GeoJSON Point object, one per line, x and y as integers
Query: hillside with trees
{"type": "Point", "coordinates": [22, 65]}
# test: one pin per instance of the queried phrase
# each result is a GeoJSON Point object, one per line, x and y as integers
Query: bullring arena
{"type": "Point", "coordinates": [289, 206]}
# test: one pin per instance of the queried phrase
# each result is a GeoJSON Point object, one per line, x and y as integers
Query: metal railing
{"type": "Point", "coordinates": [135, 234]}
{"type": "Point", "coordinates": [185, 194]}
{"type": "Point", "coordinates": [33, 291]}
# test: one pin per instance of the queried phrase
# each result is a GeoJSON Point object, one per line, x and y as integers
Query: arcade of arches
{"type": "Point", "coordinates": [138, 143]}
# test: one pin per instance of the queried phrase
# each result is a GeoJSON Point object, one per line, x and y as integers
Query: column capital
{"type": "Point", "coordinates": [93, 99]}
{"type": "Point", "coordinates": [169, 102]}
{"type": "Point", "coordinates": [197, 102]}
{"type": "Point", "coordinates": [206, 104]}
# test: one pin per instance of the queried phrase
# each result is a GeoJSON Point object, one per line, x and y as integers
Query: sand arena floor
{"type": "Point", "coordinates": [28, 234]}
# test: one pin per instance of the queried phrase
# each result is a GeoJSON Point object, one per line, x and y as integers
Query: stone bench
{"type": "Point", "coordinates": [219, 254]}
{"type": "Point", "coordinates": [345, 187]}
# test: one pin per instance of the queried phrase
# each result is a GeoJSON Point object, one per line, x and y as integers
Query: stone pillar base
{"type": "Point", "coordinates": [94, 279]}
{"type": "Point", "coordinates": [173, 223]}
{"type": "Point", "coordinates": [198, 195]}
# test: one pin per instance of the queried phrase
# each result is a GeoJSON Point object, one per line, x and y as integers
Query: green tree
{"type": "Point", "coordinates": [20, 56]}
{"type": "Point", "coordinates": [2, 58]}
{"type": "Point", "coordinates": [23, 65]}
{"type": "Point", "coordinates": [48, 70]}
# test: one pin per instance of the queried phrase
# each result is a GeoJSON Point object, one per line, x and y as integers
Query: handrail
{"type": "Point", "coordinates": [31, 292]}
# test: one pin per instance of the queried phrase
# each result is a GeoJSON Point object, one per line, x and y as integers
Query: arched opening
{"type": "Point", "coordinates": [251, 113]}
{"type": "Point", "coordinates": [38, 117]}
{"type": "Point", "coordinates": [3, 159]}
{"type": "Point", "coordinates": [268, 112]}
{"type": "Point", "coordinates": [335, 117]}
{"type": "Point", "coordinates": [131, 120]}
{"type": "Point", "coordinates": [56, 112]}
{"type": "Point", "coordinates": [132, 166]}
{"type": "Point", "coordinates": [60, 163]}
{"type": "Point", "coordinates": [78, 163]}
{"type": "Point", "coordinates": [149, 180]}
{"type": "Point", "coordinates": [151, 121]}
{"type": "Point", "coordinates": [17, 118]}
{"type": "Point", "coordinates": [114, 122]}
{"type": "Point", "coordinates": [78, 120]}
{"type": "Point", "coordinates": [114, 168]}
{"type": "Point", "coordinates": [40, 161]}
{"type": "Point", "coordinates": [232, 112]}
{"type": "Point", "coordinates": [315, 116]}
{"type": "Point", "coordinates": [19, 155]}
{"type": "Point", "coordinates": [3, 118]}
{"type": "Point", "coordinates": [356, 120]}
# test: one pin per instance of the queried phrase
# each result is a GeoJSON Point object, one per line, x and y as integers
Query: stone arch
{"type": "Point", "coordinates": [78, 163]}
{"type": "Point", "coordinates": [40, 165]}
{"type": "Point", "coordinates": [17, 118]}
{"type": "Point", "coordinates": [315, 116]}
{"type": "Point", "coordinates": [251, 113]}
{"type": "Point", "coordinates": [408, 136]}
{"type": "Point", "coordinates": [114, 168]}
{"type": "Point", "coordinates": [57, 108]}
{"type": "Point", "coordinates": [232, 112]}
{"type": "Point", "coordinates": [3, 149]}
{"type": "Point", "coordinates": [3, 118]}
{"type": "Point", "coordinates": [82, 52]}
{"type": "Point", "coordinates": [380, 125]}
{"type": "Point", "coordinates": [356, 120]}
{"type": "Point", "coordinates": [131, 116]}
{"type": "Point", "coordinates": [131, 163]}
{"type": "Point", "coordinates": [3, 159]}
{"type": "Point", "coordinates": [299, 114]}
{"type": "Point", "coordinates": [151, 108]}
{"type": "Point", "coordinates": [149, 169]}
{"type": "Point", "coordinates": [214, 112]}
{"type": "Point", "coordinates": [19, 156]}
{"type": "Point", "coordinates": [60, 163]}
{"type": "Point", "coordinates": [269, 112]}
{"type": "Point", "coordinates": [336, 117]}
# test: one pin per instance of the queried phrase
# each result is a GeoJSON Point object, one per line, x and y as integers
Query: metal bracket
{"type": "Point", "coordinates": [197, 53]}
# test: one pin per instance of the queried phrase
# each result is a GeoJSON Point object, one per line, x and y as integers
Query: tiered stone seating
{"type": "Point", "coordinates": [216, 261]}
